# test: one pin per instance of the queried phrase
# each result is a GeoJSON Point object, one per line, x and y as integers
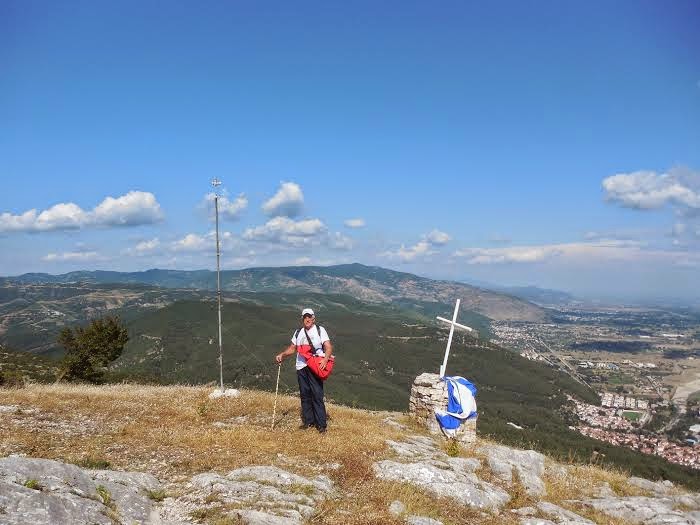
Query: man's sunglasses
{"type": "Point", "coordinates": [306, 315]}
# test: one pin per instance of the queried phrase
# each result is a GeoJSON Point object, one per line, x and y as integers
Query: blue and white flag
{"type": "Point", "coordinates": [461, 404]}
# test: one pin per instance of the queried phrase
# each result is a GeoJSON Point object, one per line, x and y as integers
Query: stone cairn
{"type": "Point", "coordinates": [427, 394]}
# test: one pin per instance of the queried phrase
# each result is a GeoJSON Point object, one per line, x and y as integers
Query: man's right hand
{"type": "Point", "coordinates": [279, 358]}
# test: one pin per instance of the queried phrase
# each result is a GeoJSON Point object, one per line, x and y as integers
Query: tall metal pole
{"type": "Point", "coordinates": [215, 183]}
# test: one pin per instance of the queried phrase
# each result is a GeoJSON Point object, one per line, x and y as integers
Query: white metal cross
{"type": "Point", "coordinates": [452, 323]}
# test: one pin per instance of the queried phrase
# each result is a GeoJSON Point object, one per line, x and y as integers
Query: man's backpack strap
{"type": "Point", "coordinates": [308, 339]}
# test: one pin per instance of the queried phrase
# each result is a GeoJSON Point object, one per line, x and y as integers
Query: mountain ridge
{"type": "Point", "coordinates": [372, 284]}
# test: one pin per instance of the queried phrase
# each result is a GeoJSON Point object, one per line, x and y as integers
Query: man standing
{"type": "Point", "coordinates": [313, 408]}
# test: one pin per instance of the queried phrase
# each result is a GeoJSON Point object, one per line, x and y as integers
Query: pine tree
{"type": "Point", "coordinates": [89, 350]}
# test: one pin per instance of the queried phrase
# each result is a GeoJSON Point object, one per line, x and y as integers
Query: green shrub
{"type": "Point", "coordinates": [156, 495]}
{"type": "Point", "coordinates": [92, 463]}
{"type": "Point", "coordinates": [105, 497]}
{"type": "Point", "coordinates": [33, 484]}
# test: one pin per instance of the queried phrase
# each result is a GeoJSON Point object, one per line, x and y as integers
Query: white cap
{"type": "Point", "coordinates": [307, 311]}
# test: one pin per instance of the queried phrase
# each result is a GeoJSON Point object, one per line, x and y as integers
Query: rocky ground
{"type": "Point", "coordinates": [370, 468]}
{"type": "Point", "coordinates": [40, 491]}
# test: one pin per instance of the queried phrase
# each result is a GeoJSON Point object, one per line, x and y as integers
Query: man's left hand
{"type": "Point", "coordinates": [323, 363]}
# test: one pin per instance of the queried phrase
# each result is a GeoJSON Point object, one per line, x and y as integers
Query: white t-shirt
{"type": "Point", "coordinates": [316, 342]}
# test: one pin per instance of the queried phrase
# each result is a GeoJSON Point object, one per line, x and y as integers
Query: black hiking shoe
{"type": "Point", "coordinates": [304, 426]}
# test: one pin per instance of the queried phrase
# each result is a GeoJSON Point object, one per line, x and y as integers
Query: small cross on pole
{"type": "Point", "coordinates": [452, 323]}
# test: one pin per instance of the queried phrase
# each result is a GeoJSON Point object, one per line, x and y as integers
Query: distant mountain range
{"type": "Point", "coordinates": [370, 284]}
{"type": "Point", "coordinates": [540, 296]}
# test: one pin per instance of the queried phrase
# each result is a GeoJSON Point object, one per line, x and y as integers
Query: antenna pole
{"type": "Point", "coordinates": [216, 183]}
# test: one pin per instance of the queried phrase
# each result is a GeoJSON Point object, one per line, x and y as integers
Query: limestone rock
{"type": "Point", "coordinates": [65, 493]}
{"type": "Point", "coordinates": [229, 392]}
{"type": "Point", "coordinates": [643, 510]}
{"type": "Point", "coordinates": [260, 494]}
{"type": "Point", "coordinates": [528, 464]}
{"type": "Point", "coordinates": [465, 488]}
{"type": "Point", "coordinates": [397, 508]}
{"type": "Point", "coordinates": [524, 511]}
{"type": "Point", "coordinates": [562, 516]}
{"type": "Point", "coordinates": [422, 520]}
{"type": "Point", "coordinates": [657, 487]}
{"type": "Point", "coordinates": [415, 447]}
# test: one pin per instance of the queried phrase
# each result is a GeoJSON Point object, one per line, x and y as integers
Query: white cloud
{"type": "Point", "coordinates": [436, 237]}
{"type": "Point", "coordinates": [303, 261]}
{"type": "Point", "coordinates": [73, 256]}
{"type": "Point", "coordinates": [144, 247]}
{"type": "Point", "coordinates": [287, 202]}
{"type": "Point", "coordinates": [355, 223]}
{"type": "Point", "coordinates": [647, 190]}
{"type": "Point", "coordinates": [287, 231]}
{"type": "Point", "coordinates": [420, 249]}
{"type": "Point", "coordinates": [516, 254]}
{"type": "Point", "coordinates": [147, 246]}
{"type": "Point", "coordinates": [228, 210]}
{"type": "Point", "coordinates": [132, 209]}
{"type": "Point", "coordinates": [423, 248]}
{"type": "Point", "coordinates": [603, 249]}
{"type": "Point", "coordinates": [192, 243]}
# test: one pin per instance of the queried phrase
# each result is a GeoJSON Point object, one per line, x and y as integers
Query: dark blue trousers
{"type": "Point", "coordinates": [313, 409]}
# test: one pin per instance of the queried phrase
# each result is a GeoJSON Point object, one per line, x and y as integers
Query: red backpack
{"type": "Point", "coordinates": [308, 352]}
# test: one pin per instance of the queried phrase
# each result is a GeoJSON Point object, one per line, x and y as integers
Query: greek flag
{"type": "Point", "coordinates": [461, 404]}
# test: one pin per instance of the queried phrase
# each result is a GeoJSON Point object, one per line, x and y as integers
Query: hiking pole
{"type": "Point", "coordinates": [274, 410]}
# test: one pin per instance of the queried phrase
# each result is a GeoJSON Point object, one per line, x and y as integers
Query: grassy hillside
{"type": "Point", "coordinates": [31, 315]}
{"type": "Point", "coordinates": [378, 359]}
{"type": "Point", "coordinates": [17, 368]}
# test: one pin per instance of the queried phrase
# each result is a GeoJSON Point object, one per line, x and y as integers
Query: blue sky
{"type": "Point", "coordinates": [555, 143]}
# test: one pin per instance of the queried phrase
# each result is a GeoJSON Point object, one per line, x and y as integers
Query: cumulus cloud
{"type": "Point", "coordinates": [193, 242]}
{"type": "Point", "coordinates": [355, 223]}
{"type": "Point", "coordinates": [228, 209]}
{"type": "Point", "coordinates": [144, 247]}
{"type": "Point", "coordinates": [287, 231]}
{"type": "Point", "coordinates": [437, 238]}
{"type": "Point", "coordinates": [73, 256]}
{"type": "Point", "coordinates": [423, 248]}
{"type": "Point", "coordinates": [516, 254]}
{"type": "Point", "coordinates": [132, 209]}
{"type": "Point", "coordinates": [609, 249]}
{"type": "Point", "coordinates": [287, 202]}
{"type": "Point", "coordinates": [646, 190]}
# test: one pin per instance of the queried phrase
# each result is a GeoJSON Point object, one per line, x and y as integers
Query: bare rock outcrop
{"type": "Point", "coordinates": [434, 471]}
{"type": "Point", "coordinates": [254, 495]}
{"type": "Point", "coordinates": [42, 491]}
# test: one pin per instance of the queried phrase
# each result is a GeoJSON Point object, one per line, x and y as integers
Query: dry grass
{"type": "Point", "coordinates": [585, 481]}
{"type": "Point", "coordinates": [177, 431]}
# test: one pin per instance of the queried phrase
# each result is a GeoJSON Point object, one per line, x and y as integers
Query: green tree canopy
{"type": "Point", "coordinates": [89, 350]}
